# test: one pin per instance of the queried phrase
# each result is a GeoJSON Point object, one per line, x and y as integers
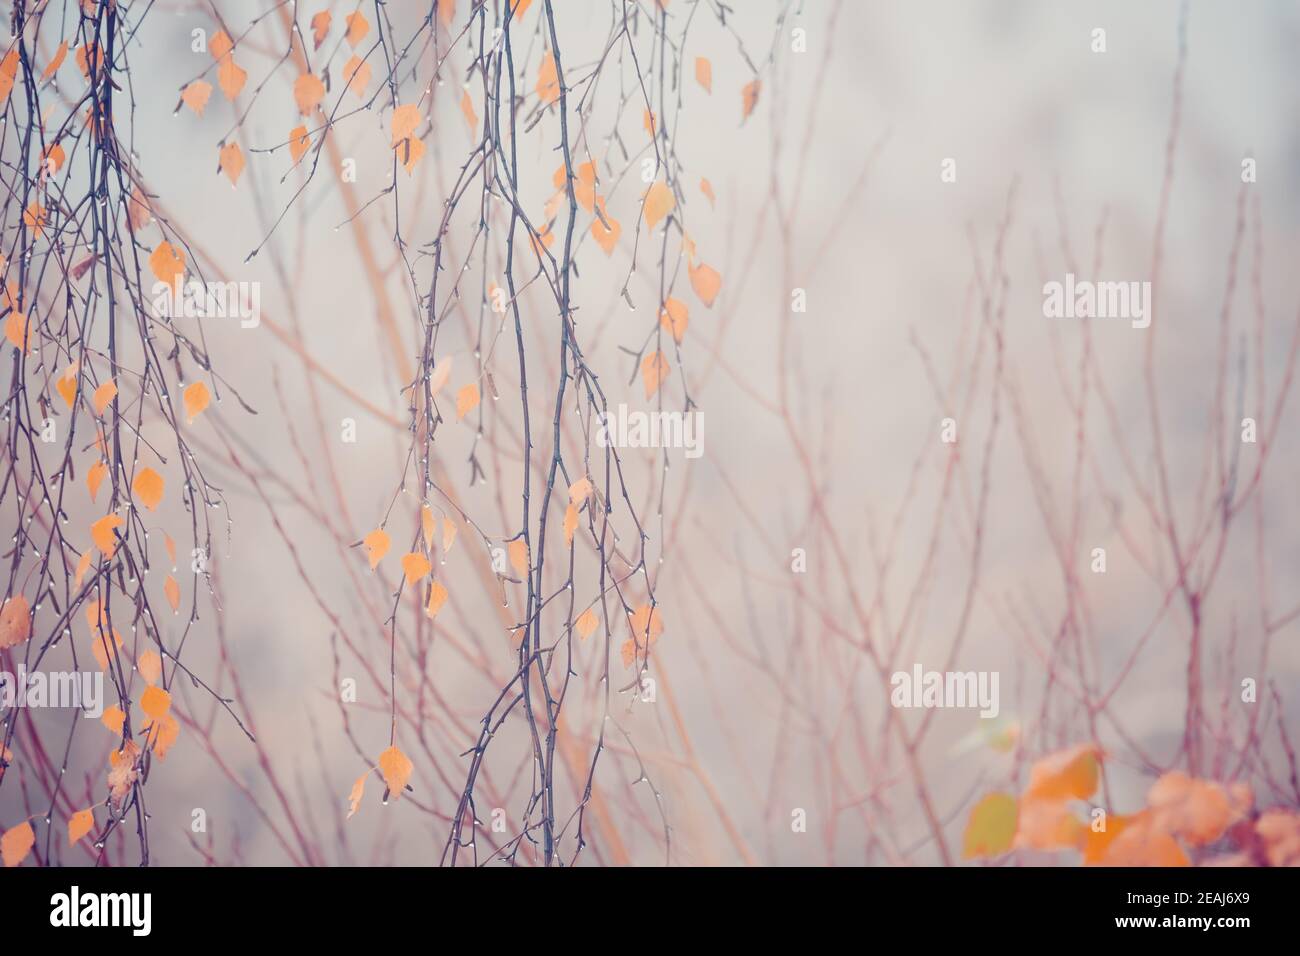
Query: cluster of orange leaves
{"type": "Point", "coordinates": [1182, 813]}
{"type": "Point", "coordinates": [125, 762]}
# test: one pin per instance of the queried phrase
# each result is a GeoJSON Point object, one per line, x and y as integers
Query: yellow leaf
{"type": "Point", "coordinates": [606, 238]}
{"type": "Point", "coordinates": [704, 73]}
{"type": "Point", "coordinates": [437, 598]}
{"type": "Point", "coordinates": [706, 281]}
{"type": "Point", "coordinates": [231, 162]}
{"type": "Point", "coordinates": [320, 26]}
{"type": "Point", "coordinates": [94, 477]}
{"type": "Point", "coordinates": [749, 99]}
{"type": "Point", "coordinates": [55, 62]}
{"type": "Point", "coordinates": [8, 73]}
{"type": "Point", "coordinates": [570, 523]}
{"type": "Point", "coordinates": [396, 769]}
{"type": "Point", "coordinates": [16, 844]}
{"type": "Point", "coordinates": [195, 96]}
{"type": "Point", "coordinates": [415, 566]}
{"type": "Point", "coordinates": [358, 791]}
{"type": "Point", "coordinates": [427, 524]}
{"type": "Point", "coordinates": [83, 565]}
{"type": "Point", "coordinates": [150, 666]}
{"type": "Point", "coordinates": [103, 395]}
{"type": "Point", "coordinates": [580, 491]}
{"type": "Point", "coordinates": [466, 400]}
{"type": "Point", "coordinates": [155, 702]}
{"type": "Point", "coordinates": [1049, 825]}
{"type": "Point", "coordinates": [220, 44]}
{"type": "Point", "coordinates": [674, 317]}
{"type": "Point", "coordinates": [1142, 844]}
{"type": "Point", "coordinates": [586, 624]}
{"type": "Point", "coordinates": [148, 487]}
{"type": "Point", "coordinates": [230, 76]}
{"type": "Point", "coordinates": [654, 369]}
{"type": "Point", "coordinates": [448, 534]}
{"type": "Point", "coordinates": [1096, 844]}
{"type": "Point", "coordinates": [308, 91]}
{"type": "Point", "coordinates": [377, 544]}
{"type": "Point", "coordinates": [405, 120]}
{"type": "Point", "coordinates": [196, 398]}
{"type": "Point", "coordinates": [18, 331]}
{"type": "Point", "coordinates": [358, 27]}
{"type": "Point", "coordinates": [101, 532]}
{"type": "Point", "coordinates": [517, 551]}
{"type": "Point", "coordinates": [991, 828]}
{"type": "Point", "coordinates": [659, 202]}
{"type": "Point", "coordinates": [409, 153]}
{"type": "Point", "coordinates": [1198, 811]}
{"type": "Point", "coordinates": [168, 264]}
{"type": "Point", "coordinates": [162, 734]}
{"type": "Point", "coordinates": [15, 622]}
{"type": "Point", "coordinates": [100, 646]}
{"type": "Point", "coordinates": [548, 80]}
{"type": "Point", "coordinates": [1065, 775]}
{"type": "Point", "coordinates": [173, 592]}
{"type": "Point", "coordinates": [35, 218]}
{"type": "Point", "coordinates": [467, 108]}
{"type": "Point", "coordinates": [706, 187]}
{"type": "Point", "coordinates": [79, 824]}
{"type": "Point", "coordinates": [299, 143]}
{"type": "Point", "coordinates": [52, 159]}
{"type": "Point", "coordinates": [647, 625]}
{"type": "Point", "coordinates": [67, 384]}
{"type": "Point", "coordinates": [114, 719]}
{"type": "Point", "coordinates": [356, 74]}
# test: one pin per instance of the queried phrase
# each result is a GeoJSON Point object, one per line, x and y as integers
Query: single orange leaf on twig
{"type": "Point", "coordinates": [704, 73]}
{"type": "Point", "coordinates": [196, 398]}
{"type": "Point", "coordinates": [148, 487]}
{"type": "Point", "coordinates": [79, 824]}
{"type": "Point", "coordinates": [654, 370]}
{"type": "Point", "coordinates": [396, 768]}
{"type": "Point", "coordinates": [377, 544]}
{"type": "Point", "coordinates": [467, 400]}
{"type": "Point", "coordinates": [415, 566]}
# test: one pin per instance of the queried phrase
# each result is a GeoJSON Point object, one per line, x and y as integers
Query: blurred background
{"type": "Point", "coordinates": [822, 429]}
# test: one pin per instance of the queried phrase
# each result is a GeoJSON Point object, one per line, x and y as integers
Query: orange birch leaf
{"type": "Point", "coordinates": [15, 622]}
{"type": "Point", "coordinates": [101, 532]}
{"type": "Point", "coordinates": [231, 77]}
{"type": "Point", "coordinates": [148, 487]}
{"type": "Point", "coordinates": [196, 94]}
{"type": "Point", "coordinates": [16, 843]}
{"type": "Point", "coordinates": [173, 592]}
{"type": "Point", "coordinates": [467, 400]}
{"type": "Point", "coordinates": [654, 370]}
{"type": "Point", "coordinates": [196, 398]}
{"type": "Point", "coordinates": [437, 598]}
{"type": "Point", "coordinates": [358, 27]}
{"type": "Point", "coordinates": [586, 624]}
{"type": "Point", "coordinates": [704, 73]}
{"type": "Point", "coordinates": [415, 566]}
{"type": "Point", "coordinates": [308, 91]}
{"type": "Point", "coordinates": [103, 395]}
{"type": "Point", "coordinates": [659, 202]}
{"type": "Point", "coordinates": [377, 544]}
{"type": "Point", "coordinates": [396, 769]}
{"type": "Point", "coordinates": [79, 824]}
{"type": "Point", "coordinates": [94, 477]}
{"type": "Point", "coordinates": [517, 551]}
{"type": "Point", "coordinates": [706, 281]}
